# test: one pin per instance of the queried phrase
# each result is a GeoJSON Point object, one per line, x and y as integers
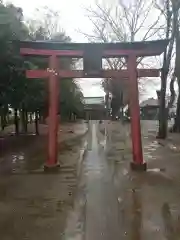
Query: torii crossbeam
{"type": "Point", "coordinates": [92, 54]}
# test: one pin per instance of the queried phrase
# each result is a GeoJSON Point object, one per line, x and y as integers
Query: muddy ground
{"type": "Point", "coordinates": [96, 196]}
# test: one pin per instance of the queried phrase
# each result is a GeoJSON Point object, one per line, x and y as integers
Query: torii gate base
{"type": "Point", "coordinates": [94, 53]}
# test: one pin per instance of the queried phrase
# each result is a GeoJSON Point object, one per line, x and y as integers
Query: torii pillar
{"type": "Point", "coordinates": [137, 163]}
{"type": "Point", "coordinates": [52, 161]}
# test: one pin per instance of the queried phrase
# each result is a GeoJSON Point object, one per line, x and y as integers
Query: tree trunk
{"type": "Point", "coordinates": [166, 63]}
{"type": "Point", "coordinates": [26, 117]}
{"type": "Point", "coordinates": [176, 127]}
{"type": "Point", "coordinates": [115, 106]}
{"type": "Point", "coordinates": [172, 91]}
{"type": "Point", "coordinates": [69, 116]}
{"type": "Point", "coordinates": [122, 113]}
{"type": "Point", "coordinates": [36, 123]}
{"type": "Point", "coordinates": [16, 121]}
{"type": "Point", "coordinates": [31, 118]}
{"type": "Point", "coordinates": [176, 5]}
{"type": "Point", "coordinates": [4, 112]}
{"type": "Point", "coordinates": [24, 121]}
{"type": "Point", "coordinates": [7, 117]}
{"type": "Point", "coordinates": [162, 110]}
{"type": "Point", "coordinates": [3, 121]}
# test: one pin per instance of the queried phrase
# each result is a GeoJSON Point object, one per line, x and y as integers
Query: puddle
{"type": "Point", "coordinates": [150, 148]}
{"type": "Point", "coordinates": [174, 147]}
{"type": "Point", "coordinates": [13, 163]}
{"type": "Point", "coordinates": [156, 170]}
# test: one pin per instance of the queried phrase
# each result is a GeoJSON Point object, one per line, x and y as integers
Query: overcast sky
{"type": "Point", "coordinates": [73, 17]}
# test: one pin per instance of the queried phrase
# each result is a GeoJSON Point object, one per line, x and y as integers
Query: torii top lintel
{"type": "Point", "coordinates": [76, 50]}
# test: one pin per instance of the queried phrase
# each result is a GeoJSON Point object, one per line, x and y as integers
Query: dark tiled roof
{"type": "Point", "coordinates": [159, 45]}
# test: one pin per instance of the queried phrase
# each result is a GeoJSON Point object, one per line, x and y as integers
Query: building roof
{"type": "Point", "coordinates": [94, 100]}
{"type": "Point", "coordinates": [149, 102]}
{"type": "Point", "coordinates": [157, 45]}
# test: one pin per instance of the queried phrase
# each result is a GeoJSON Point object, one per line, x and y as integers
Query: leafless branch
{"type": "Point", "coordinates": [126, 21]}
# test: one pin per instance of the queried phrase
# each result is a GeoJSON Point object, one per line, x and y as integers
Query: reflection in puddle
{"type": "Point", "coordinates": [174, 147]}
{"type": "Point", "coordinates": [150, 148]}
{"type": "Point", "coordinates": [18, 162]}
{"type": "Point", "coordinates": [13, 163]}
{"type": "Point", "coordinates": [171, 226]}
{"type": "Point", "coordinates": [18, 158]}
{"type": "Point", "coordinates": [167, 219]}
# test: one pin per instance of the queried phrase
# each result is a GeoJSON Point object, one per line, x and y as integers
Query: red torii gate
{"type": "Point", "coordinates": [93, 52]}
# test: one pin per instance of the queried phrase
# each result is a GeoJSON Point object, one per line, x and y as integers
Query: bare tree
{"type": "Point", "coordinates": [175, 12]}
{"type": "Point", "coordinates": [124, 21]}
{"type": "Point", "coordinates": [47, 25]}
{"type": "Point", "coordinates": [166, 63]}
{"type": "Point", "coordinates": [170, 9]}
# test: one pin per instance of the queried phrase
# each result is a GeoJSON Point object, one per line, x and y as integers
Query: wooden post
{"type": "Point", "coordinates": [52, 161]}
{"type": "Point", "coordinates": [137, 163]}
